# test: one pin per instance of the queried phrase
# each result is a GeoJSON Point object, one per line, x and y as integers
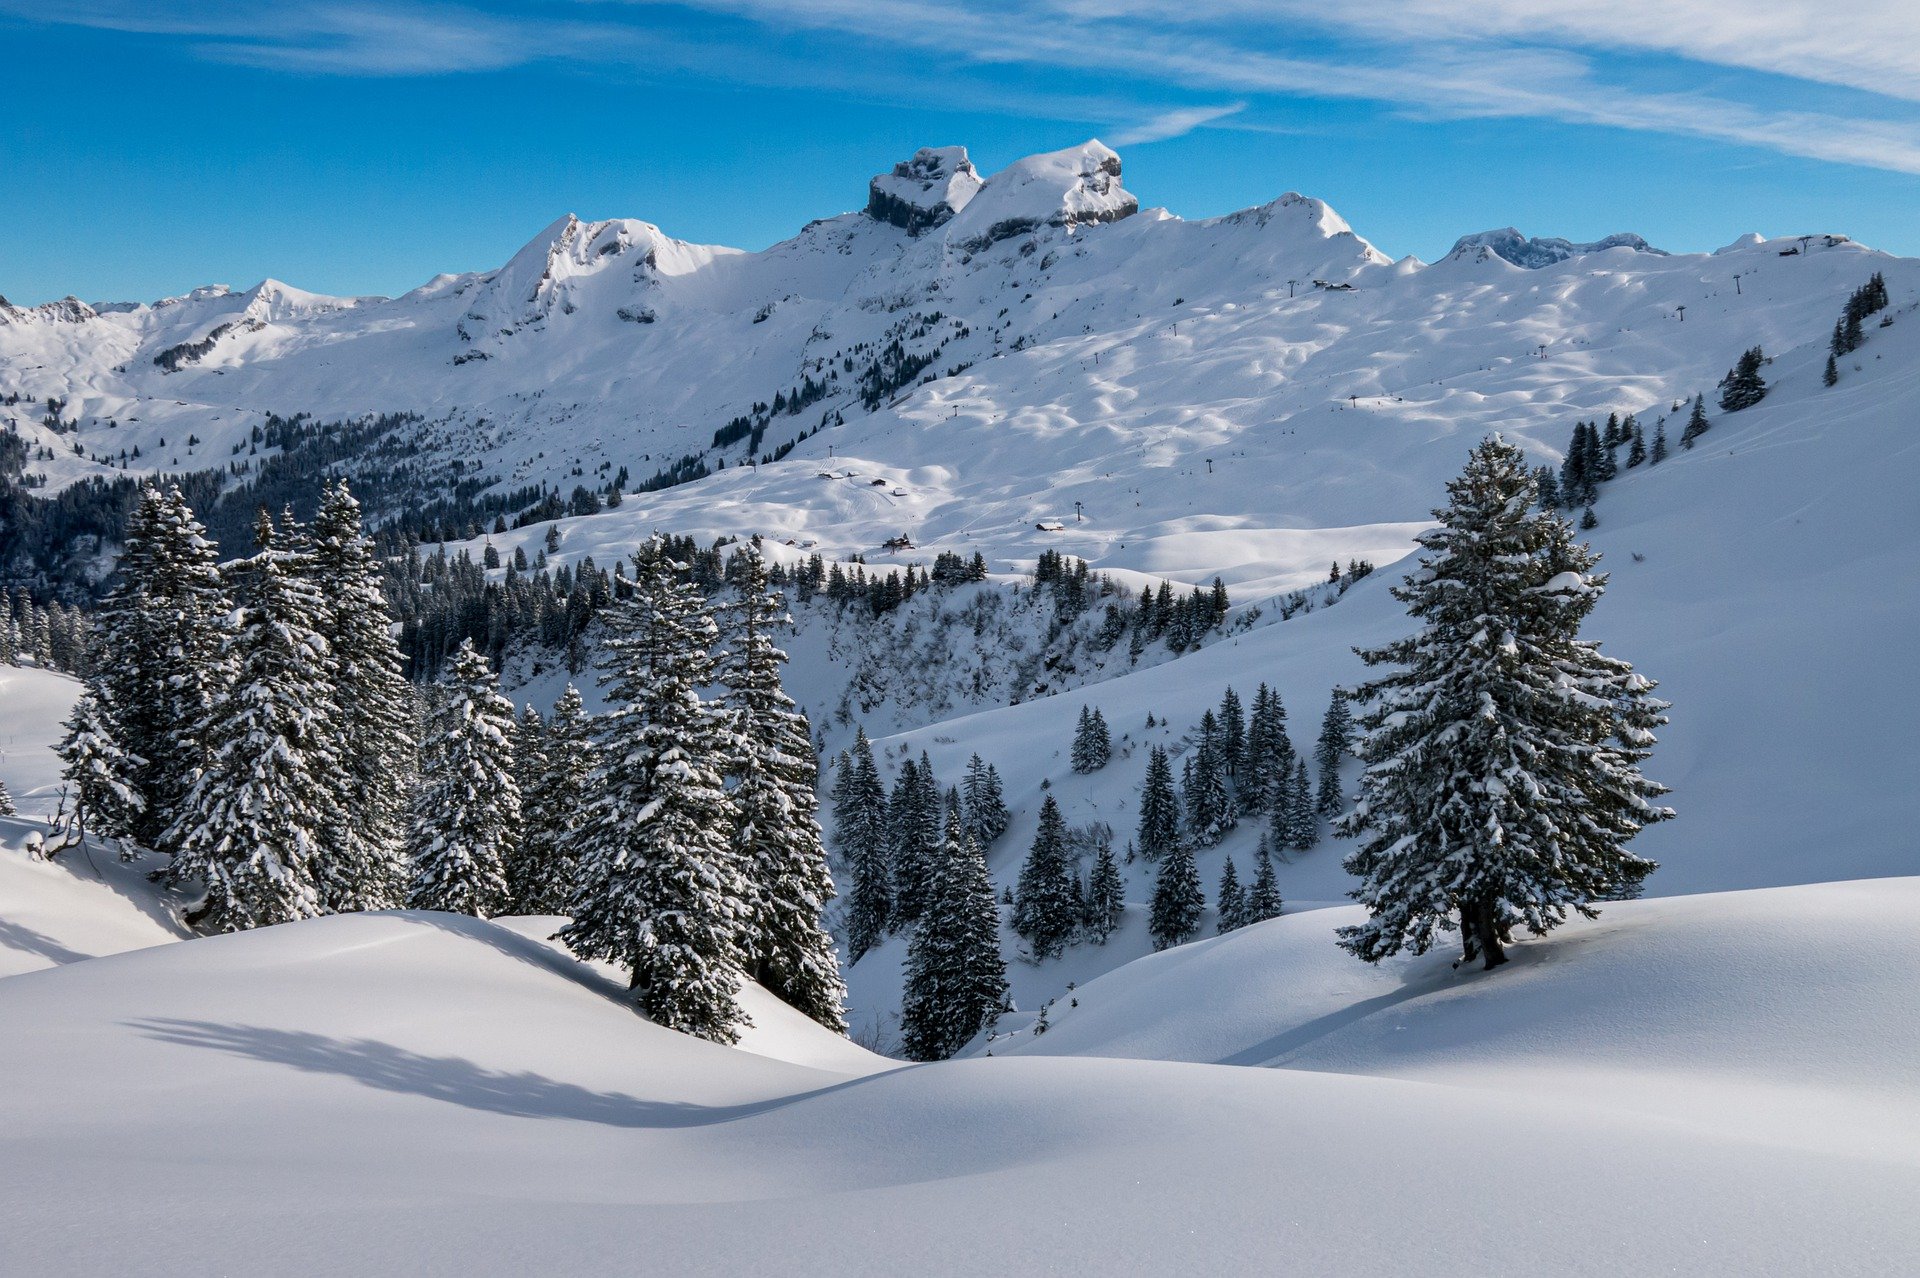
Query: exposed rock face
{"type": "Point", "coordinates": [68, 310]}
{"type": "Point", "coordinates": [925, 191]}
{"type": "Point", "coordinates": [1531, 254]}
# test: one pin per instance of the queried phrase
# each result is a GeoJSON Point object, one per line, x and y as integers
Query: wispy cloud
{"type": "Point", "coordinates": [1802, 83]}
{"type": "Point", "coordinates": [1174, 124]}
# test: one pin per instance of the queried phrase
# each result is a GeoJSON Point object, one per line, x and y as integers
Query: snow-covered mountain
{"type": "Point", "coordinates": [1026, 347]}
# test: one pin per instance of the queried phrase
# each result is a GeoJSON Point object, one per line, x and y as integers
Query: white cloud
{"type": "Point", "coordinates": [1174, 124]}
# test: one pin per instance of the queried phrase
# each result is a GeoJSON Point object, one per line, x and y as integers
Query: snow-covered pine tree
{"type": "Point", "coordinates": [102, 777]}
{"type": "Point", "coordinates": [529, 763]}
{"type": "Point", "coordinates": [166, 627]}
{"type": "Point", "coordinates": [368, 869]}
{"type": "Point", "coordinates": [1178, 902]}
{"type": "Point", "coordinates": [1696, 422]}
{"type": "Point", "coordinates": [1045, 909]}
{"type": "Point", "coordinates": [466, 820]}
{"type": "Point", "coordinates": [1306, 822]}
{"type": "Point", "coordinates": [956, 978]}
{"type": "Point", "coordinates": [1232, 900]}
{"type": "Point", "coordinates": [1092, 743]}
{"type": "Point", "coordinates": [1263, 898]}
{"type": "Point", "coordinates": [1336, 741]}
{"type": "Point", "coordinates": [776, 834]}
{"type": "Point", "coordinates": [860, 837]}
{"type": "Point", "coordinates": [1159, 831]}
{"type": "Point", "coordinates": [659, 889]}
{"type": "Point", "coordinates": [1502, 751]}
{"type": "Point", "coordinates": [1254, 789]}
{"type": "Point", "coordinates": [256, 822]}
{"type": "Point", "coordinates": [1209, 807]}
{"type": "Point", "coordinates": [1233, 734]}
{"type": "Point", "coordinates": [554, 799]}
{"type": "Point", "coordinates": [6, 802]}
{"type": "Point", "coordinates": [986, 809]}
{"type": "Point", "coordinates": [1106, 900]}
{"type": "Point", "coordinates": [913, 811]}
{"type": "Point", "coordinates": [1743, 387]}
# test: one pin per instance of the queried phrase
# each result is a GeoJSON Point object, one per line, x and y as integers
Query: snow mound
{"type": "Point", "coordinates": [431, 1093]}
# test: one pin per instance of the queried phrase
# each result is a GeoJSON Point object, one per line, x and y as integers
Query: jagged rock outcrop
{"type": "Point", "coordinates": [924, 192]}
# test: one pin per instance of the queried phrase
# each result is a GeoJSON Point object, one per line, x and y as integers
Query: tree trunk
{"type": "Point", "coordinates": [1487, 934]}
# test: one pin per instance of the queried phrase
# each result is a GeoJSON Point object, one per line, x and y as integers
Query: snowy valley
{"type": "Point", "coordinates": [1123, 463]}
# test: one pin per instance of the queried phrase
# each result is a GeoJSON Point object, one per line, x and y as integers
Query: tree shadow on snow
{"type": "Point", "coordinates": [448, 1078]}
{"type": "Point", "coordinates": [16, 936]}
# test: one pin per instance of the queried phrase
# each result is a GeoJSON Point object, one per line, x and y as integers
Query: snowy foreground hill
{"type": "Point", "coordinates": [1719, 1078]}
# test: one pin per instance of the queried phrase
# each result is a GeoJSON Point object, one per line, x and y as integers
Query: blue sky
{"type": "Point", "coordinates": [152, 145]}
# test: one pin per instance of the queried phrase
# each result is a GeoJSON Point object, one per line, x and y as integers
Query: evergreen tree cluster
{"type": "Point", "coordinates": [1849, 330]}
{"type": "Point", "coordinates": [1593, 457]}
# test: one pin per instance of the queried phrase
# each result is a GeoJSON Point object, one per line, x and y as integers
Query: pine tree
{"type": "Point", "coordinates": [1209, 807]}
{"type": "Point", "coordinates": [956, 982]}
{"type": "Point", "coordinates": [1502, 782]}
{"type": "Point", "coordinates": [1696, 422]}
{"type": "Point", "coordinates": [1263, 898]}
{"type": "Point", "coordinates": [1044, 909]}
{"type": "Point", "coordinates": [776, 833]}
{"type": "Point", "coordinates": [1106, 896]}
{"type": "Point", "coordinates": [166, 628]}
{"type": "Point", "coordinates": [1637, 450]}
{"type": "Point", "coordinates": [1092, 743]}
{"type": "Point", "coordinates": [1304, 832]}
{"type": "Point", "coordinates": [102, 776]}
{"type": "Point", "coordinates": [1832, 375]}
{"type": "Point", "coordinates": [255, 824]}
{"type": "Point", "coordinates": [1178, 903]}
{"type": "Point", "coordinates": [1548, 484]}
{"type": "Point", "coordinates": [1336, 734]}
{"type": "Point", "coordinates": [1233, 734]}
{"type": "Point", "coordinates": [1232, 900]}
{"type": "Point", "coordinates": [659, 888]}
{"type": "Point", "coordinates": [367, 869]}
{"type": "Point", "coordinates": [1159, 831]}
{"type": "Point", "coordinates": [986, 809]}
{"type": "Point", "coordinates": [1659, 453]}
{"type": "Point", "coordinates": [914, 820]}
{"type": "Point", "coordinates": [6, 802]}
{"type": "Point", "coordinates": [466, 820]}
{"type": "Point", "coordinates": [1743, 387]}
{"type": "Point", "coordinates": [558, 792]}
{"type": "Point", "coordinates": [860, 837]}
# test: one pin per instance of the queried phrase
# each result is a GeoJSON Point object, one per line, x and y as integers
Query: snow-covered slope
{"type": "Point", "coordinates": [442, 1095]}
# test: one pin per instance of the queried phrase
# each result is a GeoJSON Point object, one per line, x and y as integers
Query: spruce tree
{"type": "Point", "coordinates": [1044, 907]}
{"type": "Point", "coordinates": [102, 777]}
{"type": "Point", "coordinates": [1106, 901]}
{"type": "Point", "coordinates": [368, 869]}
{"type": "Point", "coordinates": [1743, 387]}
{"type": "Point", "coordinates": [1232, 901]}
{"type": "Point", "coordinates": [986, 809]}
{"type": "Point", "coordinates": [860, 838]}
{"type": "Point", "coordinates": [6, 802]}
{"type": "Point", "coordinates": [956, 982]}
{"type": "Point", "coordinates": [466, 819]}
{"type": "Point", "coordinates": [1209, 806]}
{"type": "Point", "coordinates": [1696, 422]}
{"type": "Point", "coordinates": [1336, 734]}
{"type": "Point", "coordinates": [1233, 734]}
{"type": "Point", "coordinates": [1092, 743]}
{"type": "Point", "coordinates": [1659, 452]}
{"type": "Point", "coordinates": [1305, 829]}
{"type": "Point", "coordinates": [1502, 782]}
{"type": "Point", "coordinates": [1263, 898]}
{"type": "Point", "coordinates": [914, 818]}
{"type": "Point", "coordinates": [1159, 830]}
{"type": "Point", "coordinates": [1178, 902]}
{"type": "Point", "coordinates": [1637, 450]}
{"type": "Point", "coordinates": [659, 888]}
{"type": "Point", "coordinates": [254, 826]}
{"type": "Point", "coordinates": [776, 835]}
{"type": "Point", "coordinates": [556, 797]}
{"type": "Point", "coordinates": [1832, 375]}
{"type": "Point", "coordinates": [165, 629]}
